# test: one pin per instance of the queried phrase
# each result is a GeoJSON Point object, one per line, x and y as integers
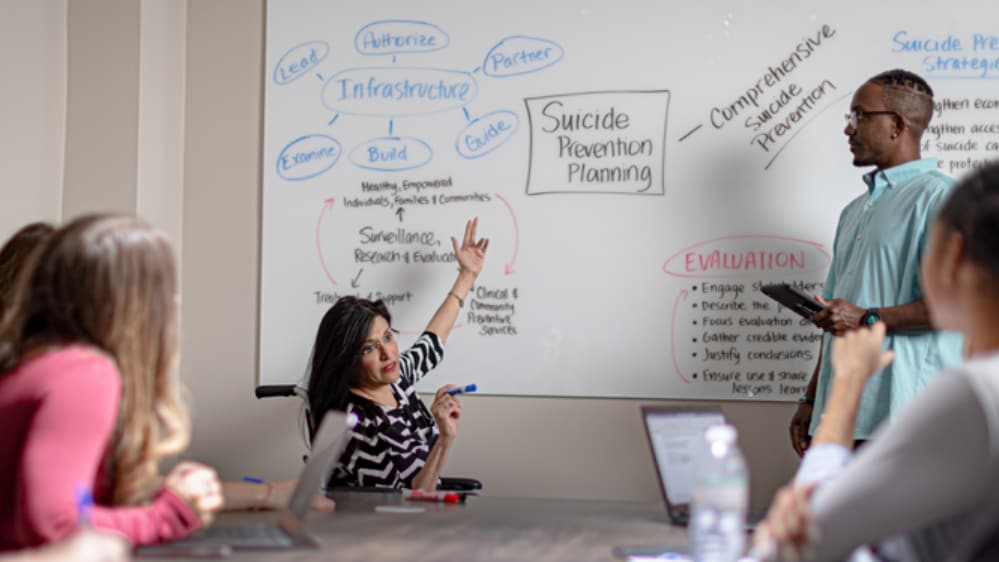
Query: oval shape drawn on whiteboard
{"type": "Point", "coordinates": [749, 255]}
{"type": "Point", "coordinates": [299, 60]}
{"type": "Point", "coordinates": [391, 154]}
{"type": "Point", "coordinates": [394, 91]}
{"type": "Point", "coordinates": [520, 54]}
{"type": "Point", "coordinates": [487, 133]}
{"type": "Point", "coordinates": [307, 157]}
{"type": "Point", "coordinates": [393, 37]}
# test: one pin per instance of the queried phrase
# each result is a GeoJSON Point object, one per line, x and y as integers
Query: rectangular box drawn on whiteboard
{"type": "Point", "coordinates": [598, 142]}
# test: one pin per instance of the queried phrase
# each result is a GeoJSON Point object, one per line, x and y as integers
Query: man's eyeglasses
{"type": "Point", "coordinates": [371, 345]}
{"type": "Point", "coordinates": [856, 115]}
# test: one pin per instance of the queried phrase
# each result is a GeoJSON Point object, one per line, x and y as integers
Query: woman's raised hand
{"type": "Point", "coordinates": [471, 254]}
{"type": "Point", "coordinates": [857, 354]}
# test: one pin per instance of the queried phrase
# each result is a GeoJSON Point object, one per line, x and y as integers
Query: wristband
{"type": "Point", "coordinates": [265, 501]}
{"type": "Point", "coordinates": [870, 317]}
{"type": "Point", "coordinates": [461, 301]}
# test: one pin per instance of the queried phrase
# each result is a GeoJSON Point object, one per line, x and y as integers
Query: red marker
{"type": "Point", "coordinates": [442, 497]}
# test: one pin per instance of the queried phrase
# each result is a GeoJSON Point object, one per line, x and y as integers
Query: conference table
{"type": "Point", "coordinates": [482, 528]}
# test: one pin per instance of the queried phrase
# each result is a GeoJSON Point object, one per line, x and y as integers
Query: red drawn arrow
{"type": "Point", "coordinates": [327, 204]}
{"type": "Point", "coordinates": [508, 267]}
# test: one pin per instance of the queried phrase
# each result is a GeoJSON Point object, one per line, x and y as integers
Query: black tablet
{"type": "Point", "coordinates": [792, 298]}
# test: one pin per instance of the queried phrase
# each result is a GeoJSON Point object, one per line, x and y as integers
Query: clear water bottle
{"type": "Point", "coordinates": [721, 497]}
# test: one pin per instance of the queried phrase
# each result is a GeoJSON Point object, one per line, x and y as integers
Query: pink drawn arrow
{"type": "Point", "coordinates": [508, 267]}
{"type": "Point", "coordinates": [327, 204]}
{"type": "Point", "coordinates": [676, 305]}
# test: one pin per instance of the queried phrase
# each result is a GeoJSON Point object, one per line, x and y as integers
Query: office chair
{"type": "Point", "coordinates": [448, 483]}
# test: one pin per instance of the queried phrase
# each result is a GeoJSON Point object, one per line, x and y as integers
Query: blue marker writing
{"type": "Point", "coordinates": [462, 390]}
{"type": "Point", "coordinates": [253, 479]}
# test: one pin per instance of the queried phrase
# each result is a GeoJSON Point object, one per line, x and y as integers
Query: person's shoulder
{"type": "Point", "coordinates": [984, 368]}
{"type": "Point", "coordinates": [935, 182]}
{"type": "Point", "coordinates": [74, 365]}
{"type": "Point", "coordinates": [74, 378]}
{"type": "Point", "coordinates": [980, 375]}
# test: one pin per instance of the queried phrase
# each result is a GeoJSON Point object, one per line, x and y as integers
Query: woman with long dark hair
{"type": "Point", "coordinates": [357, 367]}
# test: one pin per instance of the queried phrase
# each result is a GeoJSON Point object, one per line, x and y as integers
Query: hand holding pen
{"type": "Point", "coordinates": [462, 389]}
{"type": "Point", "coordinates": [446, 409]}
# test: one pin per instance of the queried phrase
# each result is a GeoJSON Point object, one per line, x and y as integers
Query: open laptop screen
{"type": "Point", "coordinates": [677, 439]}
{"type": "Point", "coordinates": [330, 441]}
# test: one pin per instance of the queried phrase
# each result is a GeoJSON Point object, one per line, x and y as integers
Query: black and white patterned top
{"type": "Point", "coordinates": [389, 446]}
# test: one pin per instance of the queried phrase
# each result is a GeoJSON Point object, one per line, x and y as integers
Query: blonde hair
{"type": "Point", "coordinates": [109, 282]}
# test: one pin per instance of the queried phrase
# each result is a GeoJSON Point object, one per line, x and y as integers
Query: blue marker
{"type": "Point", "coordinates": [463, 390]}
{"type": "Point", "coordinates": [84, 503]}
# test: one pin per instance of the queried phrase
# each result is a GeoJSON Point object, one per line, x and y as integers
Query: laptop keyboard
{"type": "Point", "coordinates": [248, 536]}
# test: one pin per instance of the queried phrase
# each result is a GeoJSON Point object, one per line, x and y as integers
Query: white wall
{"type": "Point", "coordinates": [190, 111]}
{"type": "Point", "coordinates": [32, 111]}
{"type": "Point", "coordinates": [233, 431]}
{"type": "Point", "coordinates": [102, 107]}
{"type": "Point", "coordinates": [161, 91]}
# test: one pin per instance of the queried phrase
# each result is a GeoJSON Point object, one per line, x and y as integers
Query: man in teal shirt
{"type": "Point", "coordinates": [880, 240]}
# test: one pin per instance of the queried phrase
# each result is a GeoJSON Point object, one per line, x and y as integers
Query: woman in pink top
{"type": "Point", "coordinates": [89, 395]}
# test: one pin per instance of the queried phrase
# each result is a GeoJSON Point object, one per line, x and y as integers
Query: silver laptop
{"type": "Point", "coordinates": [288, 530]}
{"type": "Point", "coordinates": [676, 438]}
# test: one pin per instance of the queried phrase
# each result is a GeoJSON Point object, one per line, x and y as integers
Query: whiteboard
{"type": "Point", "coordinates": [639, 167]}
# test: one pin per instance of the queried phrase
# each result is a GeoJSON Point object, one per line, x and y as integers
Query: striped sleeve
{"type": "Point", "coordinates": [421, 358]}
